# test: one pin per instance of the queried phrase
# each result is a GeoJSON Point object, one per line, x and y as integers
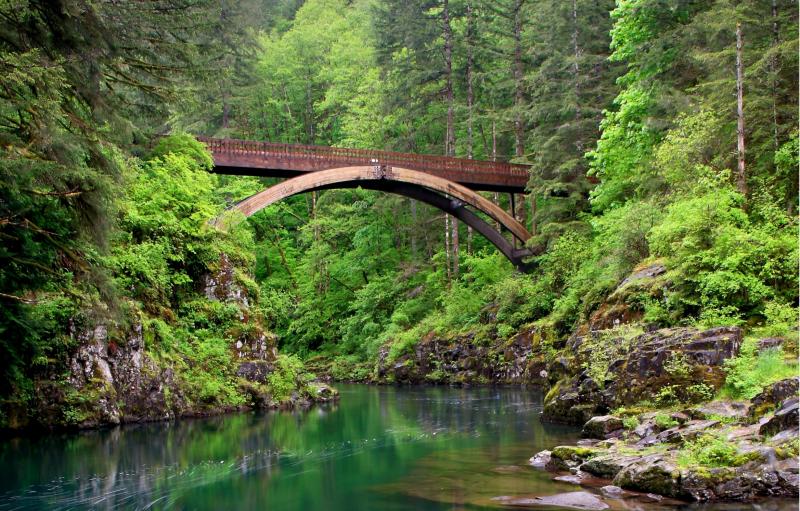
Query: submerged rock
{"type": "Point", "coordinates": [540, 459]}
{"type": "Point", "coordinates": [571, 500]}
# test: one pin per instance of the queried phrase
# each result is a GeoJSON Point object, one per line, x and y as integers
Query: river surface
{"type": "Point", "coordinates": [379, 448]}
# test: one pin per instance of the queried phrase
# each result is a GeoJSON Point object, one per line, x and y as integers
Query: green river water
{"type": "Point", "coordinates": [379, 448]}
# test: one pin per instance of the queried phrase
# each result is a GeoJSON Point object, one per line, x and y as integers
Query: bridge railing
{"type": "Point", "coordinates": [269, 150]}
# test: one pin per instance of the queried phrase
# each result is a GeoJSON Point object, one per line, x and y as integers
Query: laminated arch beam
{"type": "Point", "coordinates": [438, 192]}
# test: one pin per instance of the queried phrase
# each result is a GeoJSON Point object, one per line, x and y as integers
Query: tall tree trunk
{"type": "Point", "coordinates": [519, 143]}
{"type": "Point", "coordinates": [455, 225]}
{"type": "Point", "coordinates": [450, 137]}
{"type": "Point", "coordinates": [741, 180]}
{"type": "Point", "coordinates": [226, 110]}
{"type": "Point", "coordinates": [413, 228]}
{"type": "Point", "coordinates": [773, 64]}
{"type": "Point", "coordinates": [576, 51]}
{"type": "Point", "coordinates": [447, 245]}
{"type": "Point", "coordinates": [470, 91]}
{"type": "Point", "coordinates": [519, 135]}
{"type": "Point", "coordinates": [470, 101]}
{"type": "Point", "coordinates": [309, 113]}
{"type": "Point", "coordinates": [314, 215]}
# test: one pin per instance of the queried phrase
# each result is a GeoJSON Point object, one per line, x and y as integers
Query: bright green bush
{"type": "Point", "coordinates": [286, 378]}
{"type": "Point", "coordinates": [750, 372]}
{"type": "Point", "coordinates": [712, 451]}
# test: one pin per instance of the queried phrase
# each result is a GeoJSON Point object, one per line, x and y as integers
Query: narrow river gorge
{"type": "Point", "coordinates": [379, 447]}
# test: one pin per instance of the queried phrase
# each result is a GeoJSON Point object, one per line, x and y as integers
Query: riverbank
{"type": "Point", "coordinates": [720, 451]}
{"type": "Point", "coordinates": [684, 412]}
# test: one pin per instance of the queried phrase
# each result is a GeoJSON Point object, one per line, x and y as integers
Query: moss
{"type": "Point", "coordinates": [553, 392]}
{"type": "Point", "coordinates": [574, 453]}
{"type": "Point", "coordinates": [788, 450]}
{"type": "Point", "coordinates": [712, 451]}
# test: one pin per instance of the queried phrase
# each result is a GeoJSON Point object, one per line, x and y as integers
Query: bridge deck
{"type": "Point", "coordinates": [270, 159]}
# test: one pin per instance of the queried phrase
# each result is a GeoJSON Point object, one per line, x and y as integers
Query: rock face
{"type": "Point", "coordinates": [616, 309]}
{"type": "Point", "coordinates": [119, 382]}
{"type": "Point", "coordinates": [772, 396]}
{"type": "Point", "coordinates": [464, 360]}
{"type": "Point", "coordinates": [221, 285]}
{"type": "Point", "coordinates": [641, 371]}
{"type": "Point", "coordinates": [785, 418]}
{"type": "Point", "coordinates": [112, 379]}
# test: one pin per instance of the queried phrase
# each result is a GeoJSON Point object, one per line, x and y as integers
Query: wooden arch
{"type": "Point", "coordinates": [451, 198]}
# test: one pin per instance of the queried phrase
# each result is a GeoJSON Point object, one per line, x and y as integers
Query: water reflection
{"type": "Point", "coordinates": [380, 448]}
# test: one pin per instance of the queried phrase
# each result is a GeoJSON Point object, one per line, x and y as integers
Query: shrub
{"type": "Point", "coordinates": [712, 452]}
{"type": "Point", "coordinates": [664, 421]}
{"type": "Point", "coordinates": [750, 372]}
{"type": "Point", "coordinates": [288, 376]}
{"type": "Point", "coordinates": [630, 422]}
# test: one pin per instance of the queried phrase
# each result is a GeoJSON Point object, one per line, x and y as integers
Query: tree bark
{"type": "Point", "coordinates": [519, 147]}
{"type": "Point", "coordinates": [576, 70]}
{"type": "Point", "coordinates": [450, 136]}
{"type": "Point", "coordinates": [741, 180]}
{"type": "Point", "coordinates": [455, 224]}
{"type": "Point", "coordinates": [226, 110]}
{"type": "Point", "coordinates": [413, 228]}
{"type": "Point", "coordinates": [470, 91]}
{"type": "Point", "coordinates": [470, 101]}
{"type": "Point", "coordinates": [773, 64]}
{"type": "Point", "coordinates": [447, 245]}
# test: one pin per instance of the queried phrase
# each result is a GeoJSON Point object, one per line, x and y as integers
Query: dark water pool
{"type": "Point", "coordinates": [380, 448]}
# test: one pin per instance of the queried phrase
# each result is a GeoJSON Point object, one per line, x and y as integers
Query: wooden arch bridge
{"type": "Point", "coordinates": [449, 184]}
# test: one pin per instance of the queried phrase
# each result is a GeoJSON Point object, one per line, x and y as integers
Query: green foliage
{"type": "Point", "coordinates": [712, 451]}
{"type": "Point", "coordinates": [630, 423]}
{"type": "Point", "coordinates": [664, 421]}
{"type": "Point", "coordinates": [751, 371]}
{"type": "Point", "coordinates": [600, 350]}
{"type": "Point", "coordinates": [186, 145]}
{"type": "Point", "coordinates": [287, 376]}
{"type": "Point", "coordinates": [723, 264]}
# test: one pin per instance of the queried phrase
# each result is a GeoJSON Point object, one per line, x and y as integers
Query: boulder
{"type": "Point", "coordinates": [651, 473]}
{"type": "Point", "coordinates": [323, 393]}
{"type": "Point", "coordinates": [785, 418]}
{"type": "Point", "coordinates": [772, 395]}
{"type": "Point", "coordinates": [540, 459]}
{"type": "Point", "coordinates": [688, 431]}
{"type": "Point", "coordinates": [611, 491]}
{"type": "Point", "coordinates": [603, 426]}
{"type": "Point", "coordinates": [769, 343]}
{"type": "Point", "coordinates": [727, 409]}
{"type": "Point", "coordinates": [566, 457]}
{"type": "Point", "coordinates": [608, 465]}
{"type": "Point", "coordinates": [742, 484]}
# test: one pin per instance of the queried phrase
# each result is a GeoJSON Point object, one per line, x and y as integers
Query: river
{"type": "Point", "coordinates": [379, 448]}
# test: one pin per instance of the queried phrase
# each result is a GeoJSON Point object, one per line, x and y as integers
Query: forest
{"type": "Point", "coordinates": [656, 132]}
